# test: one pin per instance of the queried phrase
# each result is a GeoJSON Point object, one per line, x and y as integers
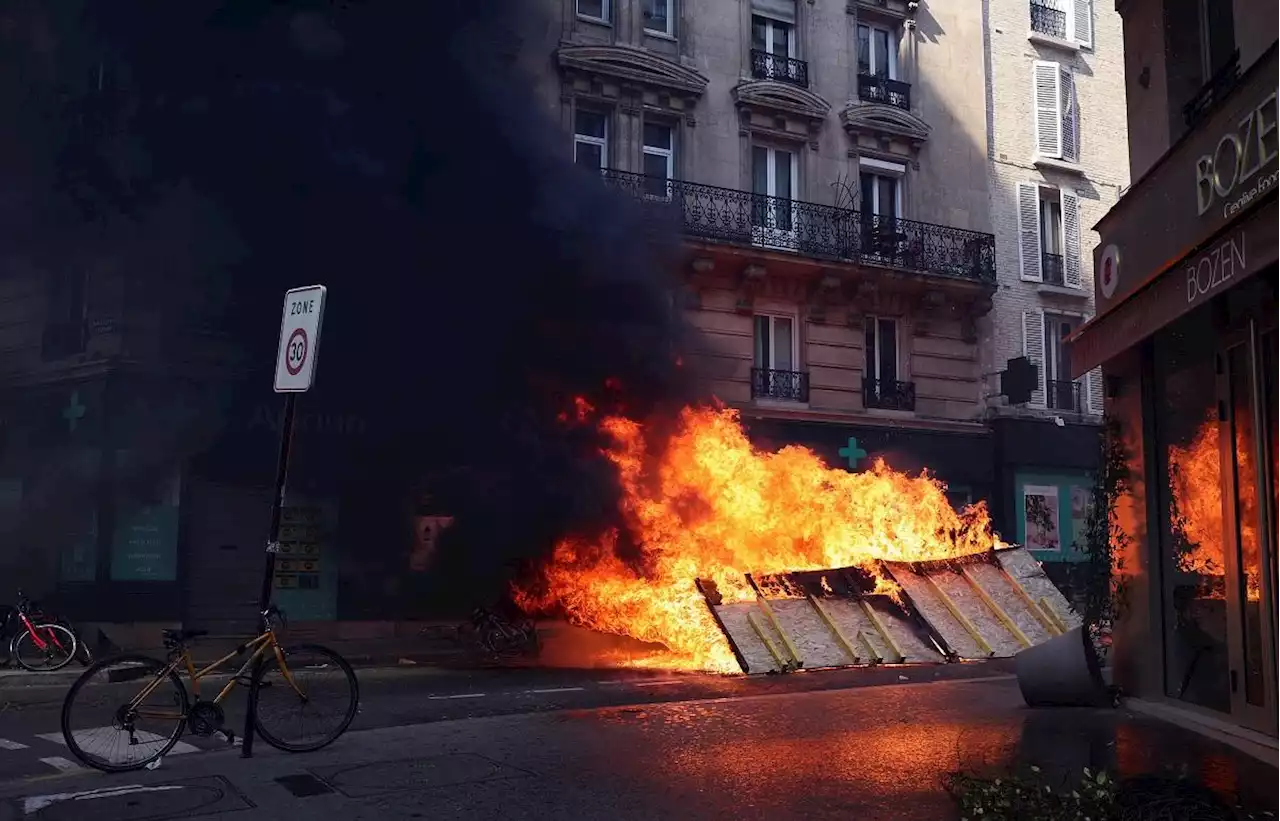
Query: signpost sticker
{"type": "Point", "coordinates": [299, 339]}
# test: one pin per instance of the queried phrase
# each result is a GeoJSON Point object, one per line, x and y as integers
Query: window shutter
{"type": "Point", "coordinates": [1029, 230]}
{"type": "Point", "coordinates": [1093, 385]}
{"type": "Point", "coordinates": [1033, 349]}
{"type": "Point", "coordinates": [784, 10]}
{"type": "Point", "coordinates": [1070, 118]}
{"type": "Point", "coordinates": [1070, 238]}
{"type": "Point", "coordinates": [1048, 109]}
{"type": "Point", "coordinates": [1081, 21]}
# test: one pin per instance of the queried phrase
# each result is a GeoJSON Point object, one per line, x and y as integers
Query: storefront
{"type": "Point", "coordinates": [1186, 335]}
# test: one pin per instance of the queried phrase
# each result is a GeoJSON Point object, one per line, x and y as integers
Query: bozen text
{"type": "Point", "coordinates": [1215, 268]}
{"type": "Point", "coordinates": [1237, 157]}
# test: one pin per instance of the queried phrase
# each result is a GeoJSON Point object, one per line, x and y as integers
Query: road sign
{"type": "Point", "coordinates": [299, 339]}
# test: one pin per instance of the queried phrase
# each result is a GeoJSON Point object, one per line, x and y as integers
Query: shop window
{"type": "Point", "coordinates": [144, 544]}
{"type": "Point", "coordinates": [1189, 485]}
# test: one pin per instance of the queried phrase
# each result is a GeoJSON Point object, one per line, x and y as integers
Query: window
{"type": "Point", "coordinates": [595, 9]}
{"type": "Point", "coordinates": [775, 343]}
{"type": "Point", "coordinates": [659, 16]}
{"type": "Point", "coordinates": [1217, 36]}
{"type": "Point", "coordinates": [773, 175]}
{"type": "Point", "coordinates": [1056, 115]}
{"type": "Point", "coordinates": [659, 160]}
{"type": "Point", "coordinates": [1061, 392]}
{"type": "Point", "coordinates": [776, 373]}
{"type": "Point", "coordinates": [66, 326]}
{"type": "Point", "coordinates": [877, 52]}
{"type": "Point", "coordinates": [1070, 20]}
{"type": "Point", "coordinates": [1049, 235]}
{"type": "Point", "coordinates": [881, 194]}
{"type": "Point", "coordinates": [882, 349]}
{"type": "Point", "coordinates": [774, 33]}
{"type": "Point", "coordinates": [590, 139]}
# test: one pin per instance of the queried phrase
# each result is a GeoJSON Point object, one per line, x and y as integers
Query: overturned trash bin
{"type": "Point", "coordinates": [1062, 672]}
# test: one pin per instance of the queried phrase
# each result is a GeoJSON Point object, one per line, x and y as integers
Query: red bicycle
{"type": "Point", "coordinates": [36, 643]}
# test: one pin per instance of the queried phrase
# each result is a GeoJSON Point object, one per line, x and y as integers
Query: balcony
{"type": "Point", "coordinates": [1048, 20]}
{"type": "Point", "coordinates": [1063, 395]}
{"type": "Point", "coordinates": [788, 386]}
{"type": "Point", "coordinates": [873, 88]}
{"type": "Point", "coordinates": [888, 394]}
{"type": "Point", "coordinates": [1051, 270]}
{"type": "Point", "coordinates": [1218, 88]}
{"type": "Point", "coordinates": [741, 218]}
{"type": "Point", "coordinates": [768, 66]}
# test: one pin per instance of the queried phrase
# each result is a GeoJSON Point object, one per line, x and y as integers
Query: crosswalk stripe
{"type": "Point", "coordinates": [6, 744]}
{"type": "Point", "coordinates": [62, 764]}
{"type": "Point", "coordinates": [143, 736]}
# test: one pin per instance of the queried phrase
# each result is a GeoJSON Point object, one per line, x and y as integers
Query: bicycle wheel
{"type": "Point", "coordinates": [54, 650]}
{"type": "Point", "coordinates": [317, 688]}
{"type": "Point", "coordinates": [105, 729]}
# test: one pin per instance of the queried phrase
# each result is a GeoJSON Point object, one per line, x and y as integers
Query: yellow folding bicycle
{"type": "Point", "coordinates": [110, 725]}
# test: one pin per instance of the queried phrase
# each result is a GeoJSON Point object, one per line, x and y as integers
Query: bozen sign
{"type": "Point", "coordinates": [1230, 174]}
{"type": "Point", "coordinates": [1221, 172]}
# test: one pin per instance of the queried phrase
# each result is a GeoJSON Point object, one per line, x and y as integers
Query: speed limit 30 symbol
{"type": "Point", "coordinates": [296, 352]}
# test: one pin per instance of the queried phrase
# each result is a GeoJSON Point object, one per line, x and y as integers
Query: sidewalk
{"type": "Point", "coordinates": [874, 753]}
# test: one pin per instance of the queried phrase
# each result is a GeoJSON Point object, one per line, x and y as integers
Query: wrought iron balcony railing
{"type": "Point", "coordinates": [1063, 395]}
{"type": "Point", "coordinates": [1218, 87]}
{"type": "Point", "coordinates": [823, 231]}
{"type": "Point", "coordinates": [768, 66]}
{"type": "Point", "coordinates": [1046, 19]}
{"type": "Point", "coordinates": [767, 383]}
{"type": "Point", "coordinates": [888, 394]}
{"type": "Point", "coordinates": [1051, 269]}
{"type": "Point", "coordinates": [873, 88]}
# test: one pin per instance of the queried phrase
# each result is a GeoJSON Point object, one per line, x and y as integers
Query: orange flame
{"type": "Point", "coordinates": [706, 504]}
{"type": "Point", "coordinates": [1195, 484]}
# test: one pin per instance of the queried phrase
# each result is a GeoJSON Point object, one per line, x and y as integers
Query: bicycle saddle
{"type": "Point", "coordinates": [183, 635]}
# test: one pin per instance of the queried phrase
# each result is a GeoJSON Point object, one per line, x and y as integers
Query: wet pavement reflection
{"type": "Point", "coordinates": [885, 752]}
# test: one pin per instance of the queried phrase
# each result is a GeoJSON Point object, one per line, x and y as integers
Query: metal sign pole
{"type": "Point", "coordinates": [268, 575]}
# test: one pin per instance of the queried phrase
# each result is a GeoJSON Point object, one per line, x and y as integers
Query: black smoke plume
{"type": "Point", "coordinates": [213, 154]}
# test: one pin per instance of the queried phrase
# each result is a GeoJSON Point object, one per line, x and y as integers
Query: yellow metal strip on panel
{"type": "Point", "coordinates": [960, 617]}
{"type": "Point", "coordinates": [883, 631]}
{"type": "Point", "coordinates": [786, 640]}
{"type": "Point", "coordinates": [768, 644]}
{"type": "Point", "coordinates": [1045, 621]}
{"type": "Point", "coordinates": [1004, 617]}
{"type": "Point", "coordinates": [834, 628]}
{"type": "Point", "coordinates": [871, 651]}
{"type": "Point", "coordinates": [1053, 615]}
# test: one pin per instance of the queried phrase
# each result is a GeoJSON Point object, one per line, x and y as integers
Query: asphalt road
{"type": "Point", "coordinates": [30, 733]}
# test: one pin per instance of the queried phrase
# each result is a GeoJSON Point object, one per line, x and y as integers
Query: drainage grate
{"type": "Point", "coordinates": [304, 785]}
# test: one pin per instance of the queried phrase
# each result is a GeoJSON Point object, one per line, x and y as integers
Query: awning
{"type": "Point", "coordinates": [1240, 251]}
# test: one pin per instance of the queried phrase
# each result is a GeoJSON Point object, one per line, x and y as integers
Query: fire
{"type": "Point", "coordinates": [1195, 485]}
{"type": "Point", "coordinates": [705, 504]}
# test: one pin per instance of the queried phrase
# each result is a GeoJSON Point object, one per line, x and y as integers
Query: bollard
{"type": "Point", "coordinates": [1062, 672]}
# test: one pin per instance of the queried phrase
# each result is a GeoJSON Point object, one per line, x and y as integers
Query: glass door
{"type": "Point", "coordinates": [1248, 404]}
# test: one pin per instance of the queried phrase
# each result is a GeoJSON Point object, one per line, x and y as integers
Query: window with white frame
{"type": "Point", "coordinates": [1049, 235]}
{"type": "Point", "coordinates": [881, 192]}
{"type": "Point", "coordinates": [659, 16]}
{"type": "Point", "coordinates": [773, 27]}
{"type": "Point", "coordinates": [1056, 115]}
{"type": "Point", "coordinates": [1070, 20]}
{"type": "Point", "coordinates": [881, 350]}
{"type": "Point", "coordinates": [774, 174]}
{"type": "Point", "coordinates": [877, 52]}
{"type": "Point", "coordinates": [659, 160]}
{"type": "Point", "coordinates": [593, 9]}
{"type": "Point", "coordinates": [591, 139]}
{"type": "Point", "coordinates": [775, 342]}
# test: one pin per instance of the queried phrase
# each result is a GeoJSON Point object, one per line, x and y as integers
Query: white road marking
{"type": "Point", "coordinates": [36, 803]}
{"type": "Point", "coordinates": [6, 744]}
{"type": "Point", "coordinates": [83, 736]}
{"type": "Point", "coordinates": [459, 695]}
{"type": "Point", "coordinates": [558, 690]}
{"type": "Point", "coordinates": [63, 765]}
{"type": "Point", "coordinates": [663, 683]}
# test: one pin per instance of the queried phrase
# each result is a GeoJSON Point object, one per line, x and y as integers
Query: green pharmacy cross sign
{"type": "Point", "coordinates": [852, 452]}
{"type": "Point", "coordinates": [74, 411]}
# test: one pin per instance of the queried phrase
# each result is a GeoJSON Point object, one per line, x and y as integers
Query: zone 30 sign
{"type": "Point", "coordinates": [299, 339]}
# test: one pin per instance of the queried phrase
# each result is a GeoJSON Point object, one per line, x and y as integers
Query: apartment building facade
{"type": "Point", "coordinates": [1057, 163]}
{"type": "Point", "coordinates": [827, 163]}
{"type": "Point", "coordinates": [1186, 333]}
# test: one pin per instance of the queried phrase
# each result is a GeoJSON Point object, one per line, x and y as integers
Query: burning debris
{"type": "Point", "coordinates": [706, 512]}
